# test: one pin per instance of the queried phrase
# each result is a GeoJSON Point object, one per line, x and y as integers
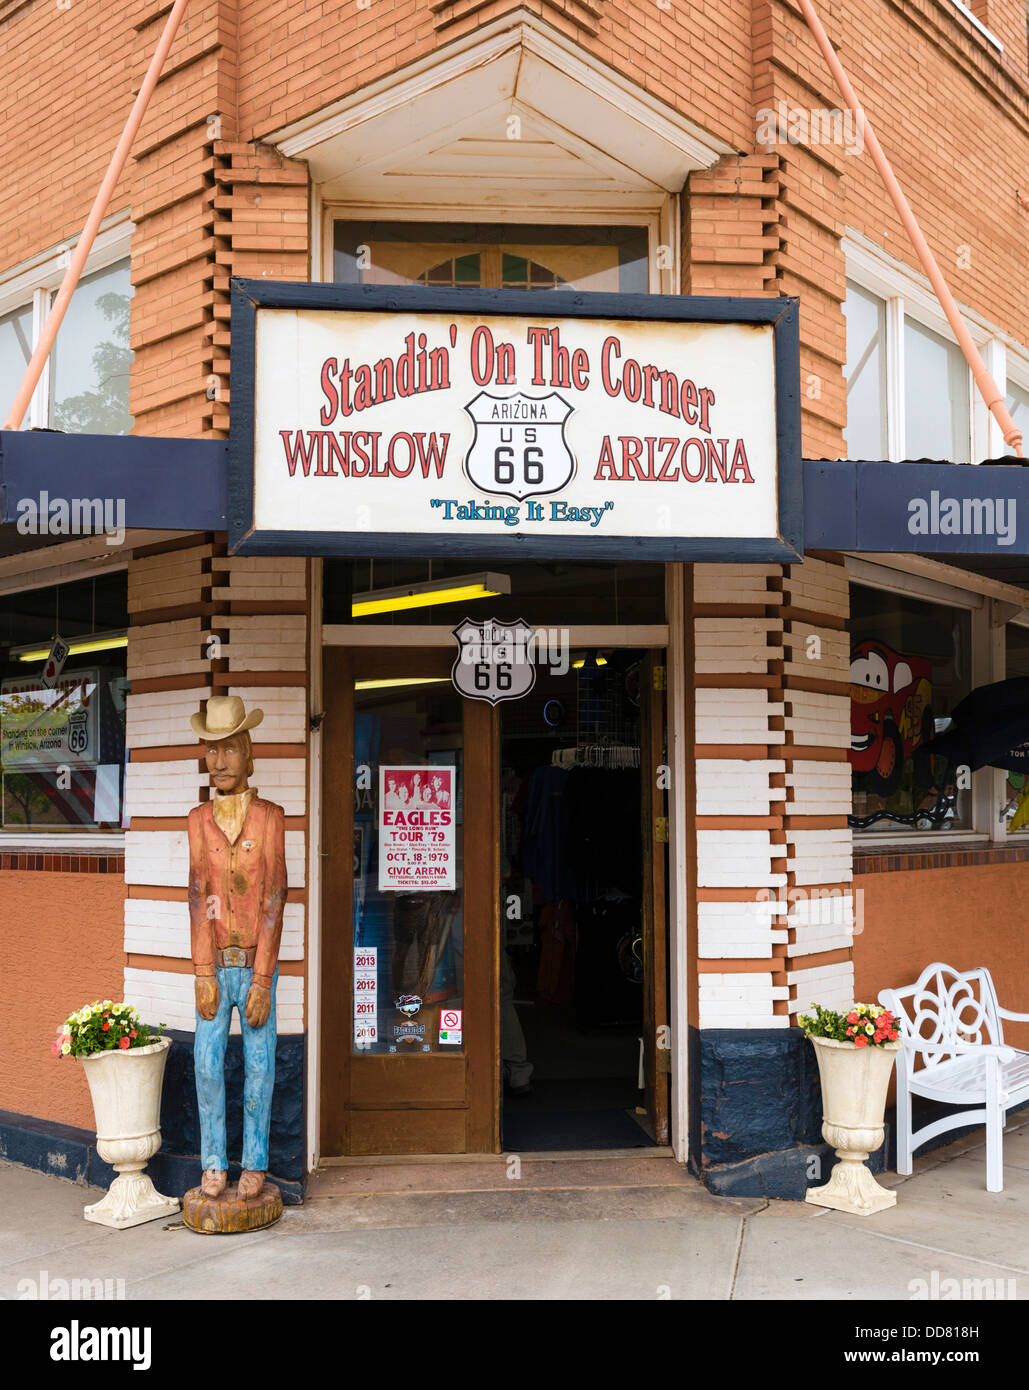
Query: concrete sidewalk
{"type": "Point", "coordinates": [566, 1228]}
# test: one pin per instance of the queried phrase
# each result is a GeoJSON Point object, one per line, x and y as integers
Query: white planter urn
{"type": "Point", "coordinates": [854, 1085]}
{"type": "Point", "coordinates": [126, 1091]}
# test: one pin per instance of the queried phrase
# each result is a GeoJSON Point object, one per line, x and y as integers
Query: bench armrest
{"type": "Point", "coordinates": [1006, 1054]}
{"type": "Point", "coordinates": [1015, 1018]}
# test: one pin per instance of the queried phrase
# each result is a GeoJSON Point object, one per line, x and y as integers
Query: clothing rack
{"type": "Point", "coordinates": [604, 755]}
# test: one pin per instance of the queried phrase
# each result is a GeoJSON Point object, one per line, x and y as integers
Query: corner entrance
{"type": "Point", "coordinates": [493, 907]}
{"type": "Point", "coordinates": [582, 927]}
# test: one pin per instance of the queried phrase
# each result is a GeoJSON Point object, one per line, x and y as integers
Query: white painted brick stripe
{"type": "Point", "coordinates": [736, 859]}
{"type": "Point", "coordinates": [827, 657]}
{"type": "Point", "coordinates": [728, 787]}
{"type": "Point", "coordinates": [156, 927]}
{"type": "Point", "coordinates": [161, 858]}
{"type": "Point", "coordinates": [165, 996]}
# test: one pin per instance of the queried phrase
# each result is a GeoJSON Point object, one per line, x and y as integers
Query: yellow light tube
{"type": "Point", "coordinates": [100, 644]}
{"type": "Point", "coordinates": [391, 682]}
{"type": "Point", "coordinates": [393, 604]}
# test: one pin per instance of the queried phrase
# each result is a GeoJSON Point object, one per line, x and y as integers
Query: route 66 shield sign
{"type": "Point", "coordinates": [494, 660]}
{"type": "Point", "coordinates": [519, 449]}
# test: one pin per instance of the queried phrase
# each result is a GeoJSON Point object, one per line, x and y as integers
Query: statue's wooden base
{"type": "Point", "coordinates": [230, 1214]}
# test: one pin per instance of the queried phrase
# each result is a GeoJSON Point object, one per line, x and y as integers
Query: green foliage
{"type": "Point", "coordinates": [103, 1026]}
{"type": "Point", "coordinates": [864, 1025]}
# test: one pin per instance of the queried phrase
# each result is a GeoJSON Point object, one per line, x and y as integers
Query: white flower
{"type": "Point", "coordinates": [85, 1014]}
{"type": "Point", "coordinates": [65, 1048]}
{"type": "Point", "coordinates": [869, 1028]}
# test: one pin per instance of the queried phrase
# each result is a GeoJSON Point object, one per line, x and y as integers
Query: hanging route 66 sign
{"type": "Point", "coordinates": [495, 661]}
{"type": "Point", "coordinates": [519, 449]}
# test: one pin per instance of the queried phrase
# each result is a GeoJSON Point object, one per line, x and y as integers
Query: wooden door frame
{"type": "Point", "coordinates": [481, 904]}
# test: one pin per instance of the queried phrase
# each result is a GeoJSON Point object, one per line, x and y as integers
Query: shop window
{"type": "Point", "coordinates": [908, 388]}
{"type": "Point", "coordinates": [544, 593]}
{"type": "Point", "coordinates": [910, 665]}
{"type": "Point", "coordinates": [86, 386]}
{"type": "Point", "coordinates": [62, 749]}
{"type": "Point", "coordinates": [1016, 640]}
{"type": "Point", "coordinates": [491, 256]}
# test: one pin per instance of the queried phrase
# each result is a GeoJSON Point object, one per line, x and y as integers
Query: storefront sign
{"type": "Point", "coordinates": [495, 661]}
{"type": "Point", "coordinates": [416, 829]}
{"type": "Point", "coordinates": [377, 420]}
{"type": "Point", "coordinates": [42, 727]}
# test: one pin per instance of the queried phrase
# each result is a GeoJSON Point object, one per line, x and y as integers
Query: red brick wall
{"type": "Point", "coordinates": [63, 943]}
{"type": "Point", "coordinates": [952, 114]}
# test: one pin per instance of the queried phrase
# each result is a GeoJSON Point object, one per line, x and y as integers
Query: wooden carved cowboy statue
{"type": "Point", "coordinates": [237, 888]}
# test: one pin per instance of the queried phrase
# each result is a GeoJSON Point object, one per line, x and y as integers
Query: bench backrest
{"type": "Point", "coordinates": [945, 1007]}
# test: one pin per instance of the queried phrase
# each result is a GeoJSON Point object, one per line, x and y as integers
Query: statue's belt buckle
{"type": "Point", "coordinates": [234, 955]}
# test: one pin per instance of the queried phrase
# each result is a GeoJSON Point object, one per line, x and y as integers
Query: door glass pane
{"type": "Point", "coordinates": [935, 396]}
{"type": "Point", "coordinates": [408, 866]}
{"type": "Point", "coordinates": [865, 434]}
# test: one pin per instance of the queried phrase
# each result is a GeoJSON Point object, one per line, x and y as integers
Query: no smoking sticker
{"type": "Point", "coordinates": [450, 1025]}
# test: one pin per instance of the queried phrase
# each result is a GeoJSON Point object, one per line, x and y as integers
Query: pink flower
{"type": "Point", "coordinates": [124, 1043]}
{"type": "Point", "coordinates": [852, 1017]}
{"type": "Point", "coordinates": [861, 1041]}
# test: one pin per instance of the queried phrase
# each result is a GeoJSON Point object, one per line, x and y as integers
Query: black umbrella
{"type": "Point", "coordinates": [990, 728]}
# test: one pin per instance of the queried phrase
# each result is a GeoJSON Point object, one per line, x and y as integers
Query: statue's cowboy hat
{"type": "Point", "coordinates": [225, 715]}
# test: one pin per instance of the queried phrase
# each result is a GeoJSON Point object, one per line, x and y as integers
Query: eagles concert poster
{"type": "Point", "coordinates": [416, 829]}
{"type": "Point", "coordinates": [466, 427]}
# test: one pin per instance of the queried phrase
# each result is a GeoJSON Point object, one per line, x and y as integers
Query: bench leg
{"type": "Point", "coordinates": [994, 1149]}
{"type": "Point", "coordinates": [904, 1151]}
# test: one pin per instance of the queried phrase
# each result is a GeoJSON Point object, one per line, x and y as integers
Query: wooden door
{"type": "Point", "coordinates": [654, 825]}
{"type": "Point", "coordinates": [402, 1084]}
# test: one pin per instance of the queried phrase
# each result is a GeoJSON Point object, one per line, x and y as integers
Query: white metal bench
{"type": "Point", "coordinates": [952, 1021]}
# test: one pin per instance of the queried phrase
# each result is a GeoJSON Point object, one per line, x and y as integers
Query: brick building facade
{"type": "Point", "coordinates": [273, 125]}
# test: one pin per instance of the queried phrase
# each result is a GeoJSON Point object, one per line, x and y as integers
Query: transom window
{"type": "Point", "coordinates": [492, 256]}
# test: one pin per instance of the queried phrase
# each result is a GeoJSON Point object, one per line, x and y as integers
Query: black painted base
{"type": "Point", "coordinates": [761, 1116]}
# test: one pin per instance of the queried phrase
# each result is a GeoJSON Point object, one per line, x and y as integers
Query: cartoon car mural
{"type": "Point", "coordinates": [890, 714]}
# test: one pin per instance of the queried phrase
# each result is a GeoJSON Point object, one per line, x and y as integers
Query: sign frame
{"type": "Point", "coordinates": [783, 314]}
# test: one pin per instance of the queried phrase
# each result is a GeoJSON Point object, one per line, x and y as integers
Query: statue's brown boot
{"type": "Point", "coordinates": [212, 1184]}
{"type": "Point", "coordinates": [250, 1184]}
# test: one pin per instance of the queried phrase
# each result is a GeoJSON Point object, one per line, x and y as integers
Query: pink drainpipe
{"type": "Point", "coordinates": [85, 243]}
{"type": "Point", "coordinates": [984, 381]}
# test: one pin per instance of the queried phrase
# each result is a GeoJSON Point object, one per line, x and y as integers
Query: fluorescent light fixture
{"type": "Point", "coordinates": [582, 661]}
{"type": "Point", "coordinates": [459, 588]}
{"type": "Point", "coordinates": [103, 642]}
{"type": "Point", "coordinates": [393, 681]}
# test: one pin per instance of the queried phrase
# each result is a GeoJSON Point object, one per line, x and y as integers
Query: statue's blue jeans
{"type": "Point", "coordinates": [212, 1037]}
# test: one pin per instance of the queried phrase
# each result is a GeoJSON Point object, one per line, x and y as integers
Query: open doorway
{"type": "Point", "coordinates": [576, 911]}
